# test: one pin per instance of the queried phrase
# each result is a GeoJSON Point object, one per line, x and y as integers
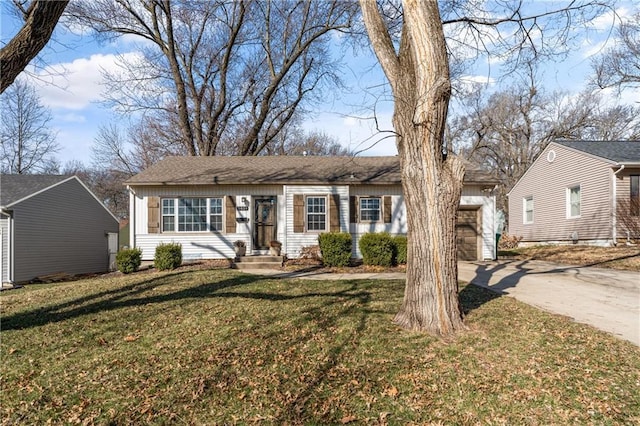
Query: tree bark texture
{"type": "Point", "coordinates": [40, 20]}
{"type": "Point", "coordinates": [431, 180]}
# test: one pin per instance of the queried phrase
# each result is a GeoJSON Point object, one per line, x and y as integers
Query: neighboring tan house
{"type": "Point", "coordinates": [52, 224]}
{"type": "Point", "coordinates": [579, 192]}
{"type": "Point", "coordinates": [207, 203]}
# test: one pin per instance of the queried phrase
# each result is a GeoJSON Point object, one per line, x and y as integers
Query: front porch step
{"type": "Point", "coordinates": [258, 262]}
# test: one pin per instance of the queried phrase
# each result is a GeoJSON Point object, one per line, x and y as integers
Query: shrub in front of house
{"type": "Point", "coordinates": [376, 249]}
{"type": "Point", "coordinates": [128, 260]}
{"type": "Point", "coordinates": [400, 249]}
{"type": "Point", "coordinates": [335, 248]}
{"type": "Point", "coordinates": [168, 256]}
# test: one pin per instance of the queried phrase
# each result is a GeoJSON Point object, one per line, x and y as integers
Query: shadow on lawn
{"type": "Point", "coordinates": [345, 309]}
{"type": "Point", "coordinates": [130, 295]}
{"type": "Point", "coordinates": [473, 297]}
{"type": "Point", "coordinates": [133, 295]}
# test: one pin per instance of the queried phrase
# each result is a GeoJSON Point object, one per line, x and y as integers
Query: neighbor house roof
{"type": "Point", "coordinates": [280, 170]}
{"type": "Point", "coordinates": [619, 151]}
{"type": "Point", "coordinates": [17, 187]}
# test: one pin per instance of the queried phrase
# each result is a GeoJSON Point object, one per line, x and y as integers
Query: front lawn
{"type": "Point", "coordinates": [221, 347]}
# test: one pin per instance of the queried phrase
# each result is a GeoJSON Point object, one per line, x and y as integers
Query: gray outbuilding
{"type": "Point", "coordinates": [52, 224]}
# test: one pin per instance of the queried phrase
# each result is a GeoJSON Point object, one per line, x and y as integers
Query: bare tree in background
{"type": "Point", "coordinates": [413, 55]}
{"type": "Point", "coordinates": [505, 132]}
{"type": "Point", "coordinates": [619, 65]}
{"type": "Point", "coordinates": [27, 143]}
{"type": "Point", "coordinates": [295, 141]}
{"type": "Point", "coordinates": [40, 18]}
{"type": "Point", "coordinates": [220, 72]}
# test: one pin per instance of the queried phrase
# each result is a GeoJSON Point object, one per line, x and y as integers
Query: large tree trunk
{"type": "Point", "coordinates": [40, 20]}
{"type": "Point", "coordinates": [431, 180]}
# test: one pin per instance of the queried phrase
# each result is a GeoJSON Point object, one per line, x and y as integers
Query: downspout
{"type": "Point", "coordinates": [614, 221]}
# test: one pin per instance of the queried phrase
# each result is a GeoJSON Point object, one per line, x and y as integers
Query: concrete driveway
{"type": "Point", "coordinates": [604, 298]}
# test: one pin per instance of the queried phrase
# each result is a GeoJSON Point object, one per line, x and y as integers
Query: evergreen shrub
{"type": "Point", "coordinates": [128, 260]}
{"type": "Point", "coordinates": [335, 248]}
{"type": "Point", "coordinates": [168, 256]}
{"type": "Point", "coordinates": [377, 249]}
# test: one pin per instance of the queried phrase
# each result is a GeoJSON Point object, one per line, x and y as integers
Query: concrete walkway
{"type": "Point", "coordinates": [604, 298]}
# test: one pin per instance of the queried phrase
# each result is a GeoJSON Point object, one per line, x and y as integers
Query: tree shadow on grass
{"type": "Point", "coordinates": [473, 297]}
{"type": "Point", "coordinates": [129, 295]}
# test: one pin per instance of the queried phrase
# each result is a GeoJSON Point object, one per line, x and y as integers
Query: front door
{"type": "Point", "coordinates": [264, 225]}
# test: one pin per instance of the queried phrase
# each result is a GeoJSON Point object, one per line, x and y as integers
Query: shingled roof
{"type": "Point", "coordinates": [16, 187]}
{"type": "Point", "coordinates": [280, 170]}
{"type": "Point", "coordinates": [619, 151]}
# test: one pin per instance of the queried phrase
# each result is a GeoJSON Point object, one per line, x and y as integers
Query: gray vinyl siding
{"type": "Point", "coordinates": [4, 249]}
{"type": "Point", "coordinates": [62, 229]}
{"type": "Point", "coordinates": [547, 183]}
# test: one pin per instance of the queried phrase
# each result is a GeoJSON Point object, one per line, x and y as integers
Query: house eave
{"type": "Point", "coordinates": [293, 182]}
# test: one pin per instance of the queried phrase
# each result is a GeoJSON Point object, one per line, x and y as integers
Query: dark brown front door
{"type": "Point", "coordinates": [264, 222]}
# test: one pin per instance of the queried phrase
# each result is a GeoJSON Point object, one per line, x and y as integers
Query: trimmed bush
{"type": "Point", "coordinates": [377, 249]}
{"type": "Point", "coordinates": [400, 249]}
{"type": "Point", "coordinates": [129, 260]}
{"type": "Point", "coordinates": [168, 256]}
{"type": "Point", "coordinates": [335, 248]}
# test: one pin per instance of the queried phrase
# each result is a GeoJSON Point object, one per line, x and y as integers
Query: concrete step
{"type": "Point", "coordinates": [259, 258]}
{"type": "Point", "coordinates": [258, 262]}
{"type": "Point", "coordinates": [256, 265]}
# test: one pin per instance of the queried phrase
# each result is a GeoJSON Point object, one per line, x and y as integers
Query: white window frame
{"type": "Point", "coordinates": [307, 213]}
{"type": "Point", "coordinates": [175, 208]}
{"type": "Point", "coordinates": [170, 205]}
{"type": "Point", "coordinates": [525, 211]}
{"type": "Point", "coordinates": [570, 204]}
{"type": "Point", "coordinates": [378, 210]}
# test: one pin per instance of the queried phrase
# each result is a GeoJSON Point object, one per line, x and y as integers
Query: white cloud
{"type": "Point", "coordinates": [359, 134]}
{"type": "Point", "coordinates": [477, 79]}
{"type": "Point", "coordinates": [74, 85]}
{"type": "Point", "coordinates": [607, 20]}
{"type": "Point", "coordinates": [591, 49]}
{"type": "Point", "coordinates": [71, 117]}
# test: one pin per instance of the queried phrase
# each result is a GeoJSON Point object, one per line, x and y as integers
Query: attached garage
{"type": "Point", "coordinates": [468, 225]}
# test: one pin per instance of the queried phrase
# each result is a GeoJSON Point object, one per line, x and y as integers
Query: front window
{"type": "Point", "coordinates": [192, 214]}
{"type": "Point", "coordinates": [573, 201]}
{"type": "Point", "coordinates": [168, 215]}
{"type": "Point", "coordinates": [634, 193]}
{"type": "Point", "coordinates": [528, 209]}
{"type": "Point", "coordinates": [370, 209]}
{"type": "Point", "coordinates": [215, 214]}
{"type": "Point", "coordinates": [316, 213]}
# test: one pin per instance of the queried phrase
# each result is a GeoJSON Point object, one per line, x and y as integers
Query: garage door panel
{"type": "Point", "coordinates": [467, 234]}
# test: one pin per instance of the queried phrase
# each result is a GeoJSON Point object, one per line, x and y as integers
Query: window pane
{"type": "Point", "coordinates": [316, 213]}
{"type": "Point", "coordinates": [528, 210]}
{"type": "Point", "coordinates": [574, 200]}
{"type": "Point", "coordinates": [370, 209]}
{"type": "Point", "coordinates": [634, 190]}
{"type": "Point", "coordinates": [215, 214]}
{"type": "Point", "coordinates": [168, 215]}
{"type": "Point", "coordinates": [192, 214]}
{"type": "Point", "coordinates": [168, 223]}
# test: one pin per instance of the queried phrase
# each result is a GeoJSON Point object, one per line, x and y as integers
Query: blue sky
{"type": "Point", "coordinates": [69, 83]}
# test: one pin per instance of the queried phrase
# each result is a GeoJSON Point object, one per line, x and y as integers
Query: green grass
{"type": "Point", "coordinates": [220, 347]}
